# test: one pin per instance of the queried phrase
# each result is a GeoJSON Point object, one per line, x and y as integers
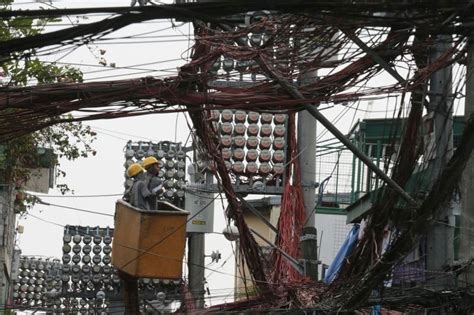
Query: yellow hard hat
{"type": "Point", "coordinates": [149, 161]}
{"type": "Point", "coordinates": [134, 169]}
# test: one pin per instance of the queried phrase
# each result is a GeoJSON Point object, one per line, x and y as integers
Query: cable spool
{"type": "Point", "coordinates": [266, 118]}
{"type": "Point", "coordinates": [252, 155]}
{"type": "Point", "coordinates": [264, 156]}
{"type": "Point", "coordinates": [239, 116]}
{"type": "Point", "coordinates": [225, 128]}
{"type": "Point", "coordinates": [227, 115]}
{"type": "Point", "coordinates": [279, 131]}
{"type": "Point", "coordinates": [226, 141]}
{"type": "Point", "coordinates": [252, 142]}
{"type": "Point", "coordinates": [265, 143]}
{"type": "Point", "coordinates": [252, 130]}
{"type": "Point", "coordinates": [239, 141]}
{"type": "Point", "coordinates": [239, 129]}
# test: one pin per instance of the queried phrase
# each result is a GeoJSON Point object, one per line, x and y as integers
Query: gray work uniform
{"type": "Point", "coordinates": [140, 194]}
{"type": "Point", "coordinates": [152, 182]}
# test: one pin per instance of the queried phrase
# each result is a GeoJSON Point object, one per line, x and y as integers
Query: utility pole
{"type": "Point", "coordinates": [307, 160]}
{"type": "Point", "coordinates": [466, 235]}
{"type": "Point", "coordinates": [196, 248]}
{"type": "Point", "coordinates": [440, 246]}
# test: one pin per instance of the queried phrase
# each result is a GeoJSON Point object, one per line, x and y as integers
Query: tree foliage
{"type": "Point", "coordinates": [67, 140]}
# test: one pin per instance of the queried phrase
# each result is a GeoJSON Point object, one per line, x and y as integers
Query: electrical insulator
{"type": "Point", "coordinates": [226, 141]}
{"type": "Point", "coordinates": [278, 168]}
{"type": "Point", "coordinates": [75, 268]}
{"type": "Point", "coordinates": [86, 259]}
{"type": "Point", "coordinates": [169, 164]}
{"type": "Point", "coordinates": [66, 248]}
{"type": "Point", "coordinates": [239, 129]}
{"type": "Point", "coordinates": [169, 174]}
{"type": "Point", "coordinates": [96, 269]}
{"type": "Point", "coordinates": [216, 65]}
{"type": "Point", "coordinates": [139, 153]}
{"type": "Point", "coordinates": [168, 184]}
{"type": "Point", "coordinates": [252, 142]}
{"type": "Point", "coordinates": [87, 239]}
{"type": "Point", "coordinates": [264, 156]}
{"type": "Point", "coordinates": [180, 184]}
{"type": "Point", "coordinates": [251, 168]}
{"type": "Point", "coordinates": [86, 268]}
{"type": "Point", "coordinates": [180, 174]}
{"type": "Point", "coordinates": [242, 65]}
{"type": "Point", "coordinates": [107, 239]}
{"type": "Point", "coordinates": [238, 167]}
{"type": "Point", "coordinates": [214, 115]}
{"type": "Point", "coordinates": [97, 239]}
{"type": "Point", "coordinates": [279, 119]}
{"type": "Point", "coordinates": [160, 154]}
{"type": "Point", "coordinates": [228, 165]}
{"type": "Point", "coordinates": [226, 153]}
{"type": "Point", "coordinates": [129, 152]}
{"type": "Point", "coordinates": [266, 118]}
{"type": "Point", "coordinates": [66, 238]}
{"type": "Point", "coordinates": [228, 64]}
{"type": "Point", "coordinates": [180, 193]}
{"type": "Point", "coordinates": [181, 155]}
{"type": "Point", "coordinates": [255, 39]}
{"type": "Point", "coordinates": [150, 151]}
{"type": "Point", "coordinates": [107, 249]}
{"type": "Point", "coordinates": [76, 259]}
{"type": "Point", "coordinates": [239, 141]}
{"type": "Point", "coordinates": [128, 183]}
{"type": "Point", "coordinates": [278, 156]}
{"type": "Point", "coordinates": [106, 259]}
{"type": "Point", "coordinates": [96, 259]}
{"type": "Point", "coordinates": [170, 155]}
{"type": "Point", "coordinates": [76, 249]}
{"type": "Point", "coordinates": [180, 165]}
{"type": "Point", "coordinates": [128, 163]}
{"type": "Point", "coordinates": [265, 130]}
{"type": "Point", "coordinates": [225, 128]}
{"type": "Point", "coordinates": [252, 155]}
{"type": "Point", "coordinates": [76, 239]}
{"type": "Point", "coordinates": [252, 130]}
{"type": "Point", "coordinates": [239, 116]}
{"type": "Point", "coordinates": [66, 258]}
{"type": "Point", "coordinates": [238, 154]}
{"type": "Point", "coordinates": [279, 131]}
{"type": "Point", "coordinates": [169, 194]}
{"type": "Point", "coordinates": [96, 249]}
{"type": "Point", "coordinates": [279, 143]}
{"type": "Point", "coordinates": [227, 115]}
{"type": "Point", "coordinates": [252, 117]}
{"type": "Point", "coordinates": [264, 168]}
{"type": "Point", "coordinates": [258, 186]}
{"type": "Point", "coordinates": [265, 143]}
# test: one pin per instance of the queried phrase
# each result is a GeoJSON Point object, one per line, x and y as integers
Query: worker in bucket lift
{"type": "Point", "coordinates": [153, 182]}
{"type": "Point", "coordinates": [139, 192]}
